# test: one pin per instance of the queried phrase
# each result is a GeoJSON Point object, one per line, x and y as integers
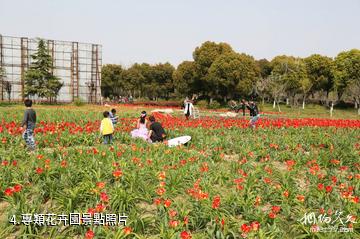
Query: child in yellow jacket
{"type": "Point", "coordinates": [107, 128]}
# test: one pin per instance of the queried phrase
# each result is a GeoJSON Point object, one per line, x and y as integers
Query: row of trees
{"type": "Point", "coordinates": [140, 80]}
{"type": "Point", "coordinates": [218, 72]}
{"type": "Point", "coordinates": [39, 79]}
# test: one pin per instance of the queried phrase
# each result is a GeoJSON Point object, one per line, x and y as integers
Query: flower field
{"type": "Point", "coordinates": [286, 179]}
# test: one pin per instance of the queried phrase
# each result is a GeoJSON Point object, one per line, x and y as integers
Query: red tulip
{"type": "Point", "coordinates": [245, 228]}
{"type": "Point", "coordinates": [255, 225]}
{"type": "Point", "coordinates": [127, 230]}
{"type": "Point", "coordinates": [173, 223]}
{"type": "Point", "coordinates": [216, 202]}
{"type": "Point", "coordinates": [328, 189]}
{"type": "Point", "coordinates": [17, 188]}
{"type": "Point", "coordinates": [157, 201]}
{"type": "Point", "coordinates": [89, 234]}
{"type": "Point", "coordinates": [185, 235]}
{"type": "Point", "coordinates": [9, 192]}
{"type": "Point", "coordinates": [104, 197]}
{"type": "Point", "coordinates": [39, 170]}
{"type": "Point", "coordinates": [117, 173]}
{"type": "Point", "coordinates": [167, 203]}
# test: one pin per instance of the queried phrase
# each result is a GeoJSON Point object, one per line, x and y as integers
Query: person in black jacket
{"type": "Point", "coordinates": [28, 124]}
{"type": "Point", "coordinates": [156, 131]}
{"type": "Point", "coordinates": [254, 113]}
{"type": "Point", "coordinates": [243, 106]}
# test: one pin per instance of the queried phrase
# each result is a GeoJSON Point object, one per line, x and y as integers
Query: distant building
{"type": "Point", "coordinates": [78, 65]}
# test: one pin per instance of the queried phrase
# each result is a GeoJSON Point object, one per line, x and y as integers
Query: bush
{"type": "Point", "coordinates": [214, 105]}
{"type": "Point", "coordinates": [202, 103]}
{"type": "Point", "coordinates": [78, 102]}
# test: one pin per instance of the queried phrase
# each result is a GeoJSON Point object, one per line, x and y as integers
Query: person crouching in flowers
{"type": "Point", "coordinates": [107, 128]}
{"type": "Point", "coordinates": [141, 130]}
{"type": "Point", "coordinates": [156, 132]}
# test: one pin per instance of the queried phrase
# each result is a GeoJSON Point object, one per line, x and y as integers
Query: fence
{"type": "Point", "coordinates": [78, 65]}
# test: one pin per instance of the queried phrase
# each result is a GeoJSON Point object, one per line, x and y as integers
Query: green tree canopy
{"type": "Point", "coordinates": [291, 71]}
{"type": "Point", "coordinates": [233, 73]}
{"type": "Point", "coordinates": [265, 67]}
{"type": "Point", "coordinates": [112, 82]}
{"type": "Point", "coordinates": [320, 72]}
{"type": "Point", "coordinates": [346, 70]}
{"type": "Point", "coordinates": [186, 80]}
{"type": "Point", "coordinates": [204, 56]}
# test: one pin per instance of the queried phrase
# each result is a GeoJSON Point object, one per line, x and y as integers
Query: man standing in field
{"type": "Point", "coordinates": [28, 124]}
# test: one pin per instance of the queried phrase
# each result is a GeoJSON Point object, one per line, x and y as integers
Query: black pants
{"type": "Point", "coordinates": [155, 138]}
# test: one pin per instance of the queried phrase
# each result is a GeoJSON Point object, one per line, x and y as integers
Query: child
{"type": "Point", "coordinates": [156, 132]}
{"type": "Point", "coordinates": [141, 131]}
{"type": "Point", "coordinates": [113, 116]}
{"type": "Point", "coordinates": [28, 123]}
{"type": "Point", "coordinates": [106, 128]}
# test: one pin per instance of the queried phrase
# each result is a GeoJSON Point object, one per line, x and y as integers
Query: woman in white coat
{"type": "Point", "coordinates": [189, 107]}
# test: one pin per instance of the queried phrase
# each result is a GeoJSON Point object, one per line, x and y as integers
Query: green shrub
{"type": "Point", "coordinates": [214, 105]}
{"type": "Point", "coordinates": [78, 102]}
{"type": "Point", "coordinates": [202, 103]}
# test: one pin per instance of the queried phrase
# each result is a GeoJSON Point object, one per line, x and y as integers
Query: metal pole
{"type": "Point", "coordinates": [24, 64]}
{"type": "Point", "coordinates": [1, 68]}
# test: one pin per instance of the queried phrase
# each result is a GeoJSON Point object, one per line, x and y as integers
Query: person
{"type": "Point", "coordinates": [188, 110]}
{"type": "Point", "coordinates": [243, 106]}
{"type": "Point", "coordinates": [141, 130]}
{"type": "Point", "coordinates": [156, 131]}
{"type": "Point", "coordinates": [28, 123]}
{"type": "Point", "coordinates": [113, 116]}
{"type": "Point", "coordinates": [106, 128]}
{"type": "Point", "coordinates": [254, 113]}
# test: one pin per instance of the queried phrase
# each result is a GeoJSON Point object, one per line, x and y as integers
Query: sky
{"type": "Point", "coordinates": [158, 31]}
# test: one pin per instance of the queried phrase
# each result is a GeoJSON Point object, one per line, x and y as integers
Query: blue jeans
{"type": "Point", "coordinates": [108, 139]}
{"type": "Point", "coordinates": [253, 120]}
{"type": "Point", "coordinates": [28, 136]}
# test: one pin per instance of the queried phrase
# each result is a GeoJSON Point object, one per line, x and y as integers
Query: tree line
{"type": "Point", "coordinates": [218, 72]}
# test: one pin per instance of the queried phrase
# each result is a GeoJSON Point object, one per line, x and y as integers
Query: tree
{"type": "Point", "coordinates": [265, 68]}
{"type": "Point", "coordinates": [277, 87]}
{"type": "Point", "coordinates": [305, 87]}
{"type": "Point", "coordinates": [233, 73]}
{"type": "Point", "coordinates": [262, 88]}
{"type": "Point", "coordinates": [162, 81]}
{"type": "Point", "coordinates": [204, 56]}
{"type": "Point", "coordinates": [346, 70]}
{"type": "Point", "coordinates": [134, 79]}
{"type": "Point", "coordinates": [186, 80]}
{"type": "Point", "coordinates": [39, 79]}
{"type": "Point", "coordinates": [354, 91]}
{"type": "Point", "coordinates": [262, 84]}
{"type": "Point", "coordinates": [112, 82]}
{"type": "Point", "coordinates": [320, 73]}
{"type": "Point", "coordinates": [291, 71]}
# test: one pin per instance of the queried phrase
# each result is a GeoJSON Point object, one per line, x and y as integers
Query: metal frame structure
{"type": "Point", "coordinates": [78, 65]}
